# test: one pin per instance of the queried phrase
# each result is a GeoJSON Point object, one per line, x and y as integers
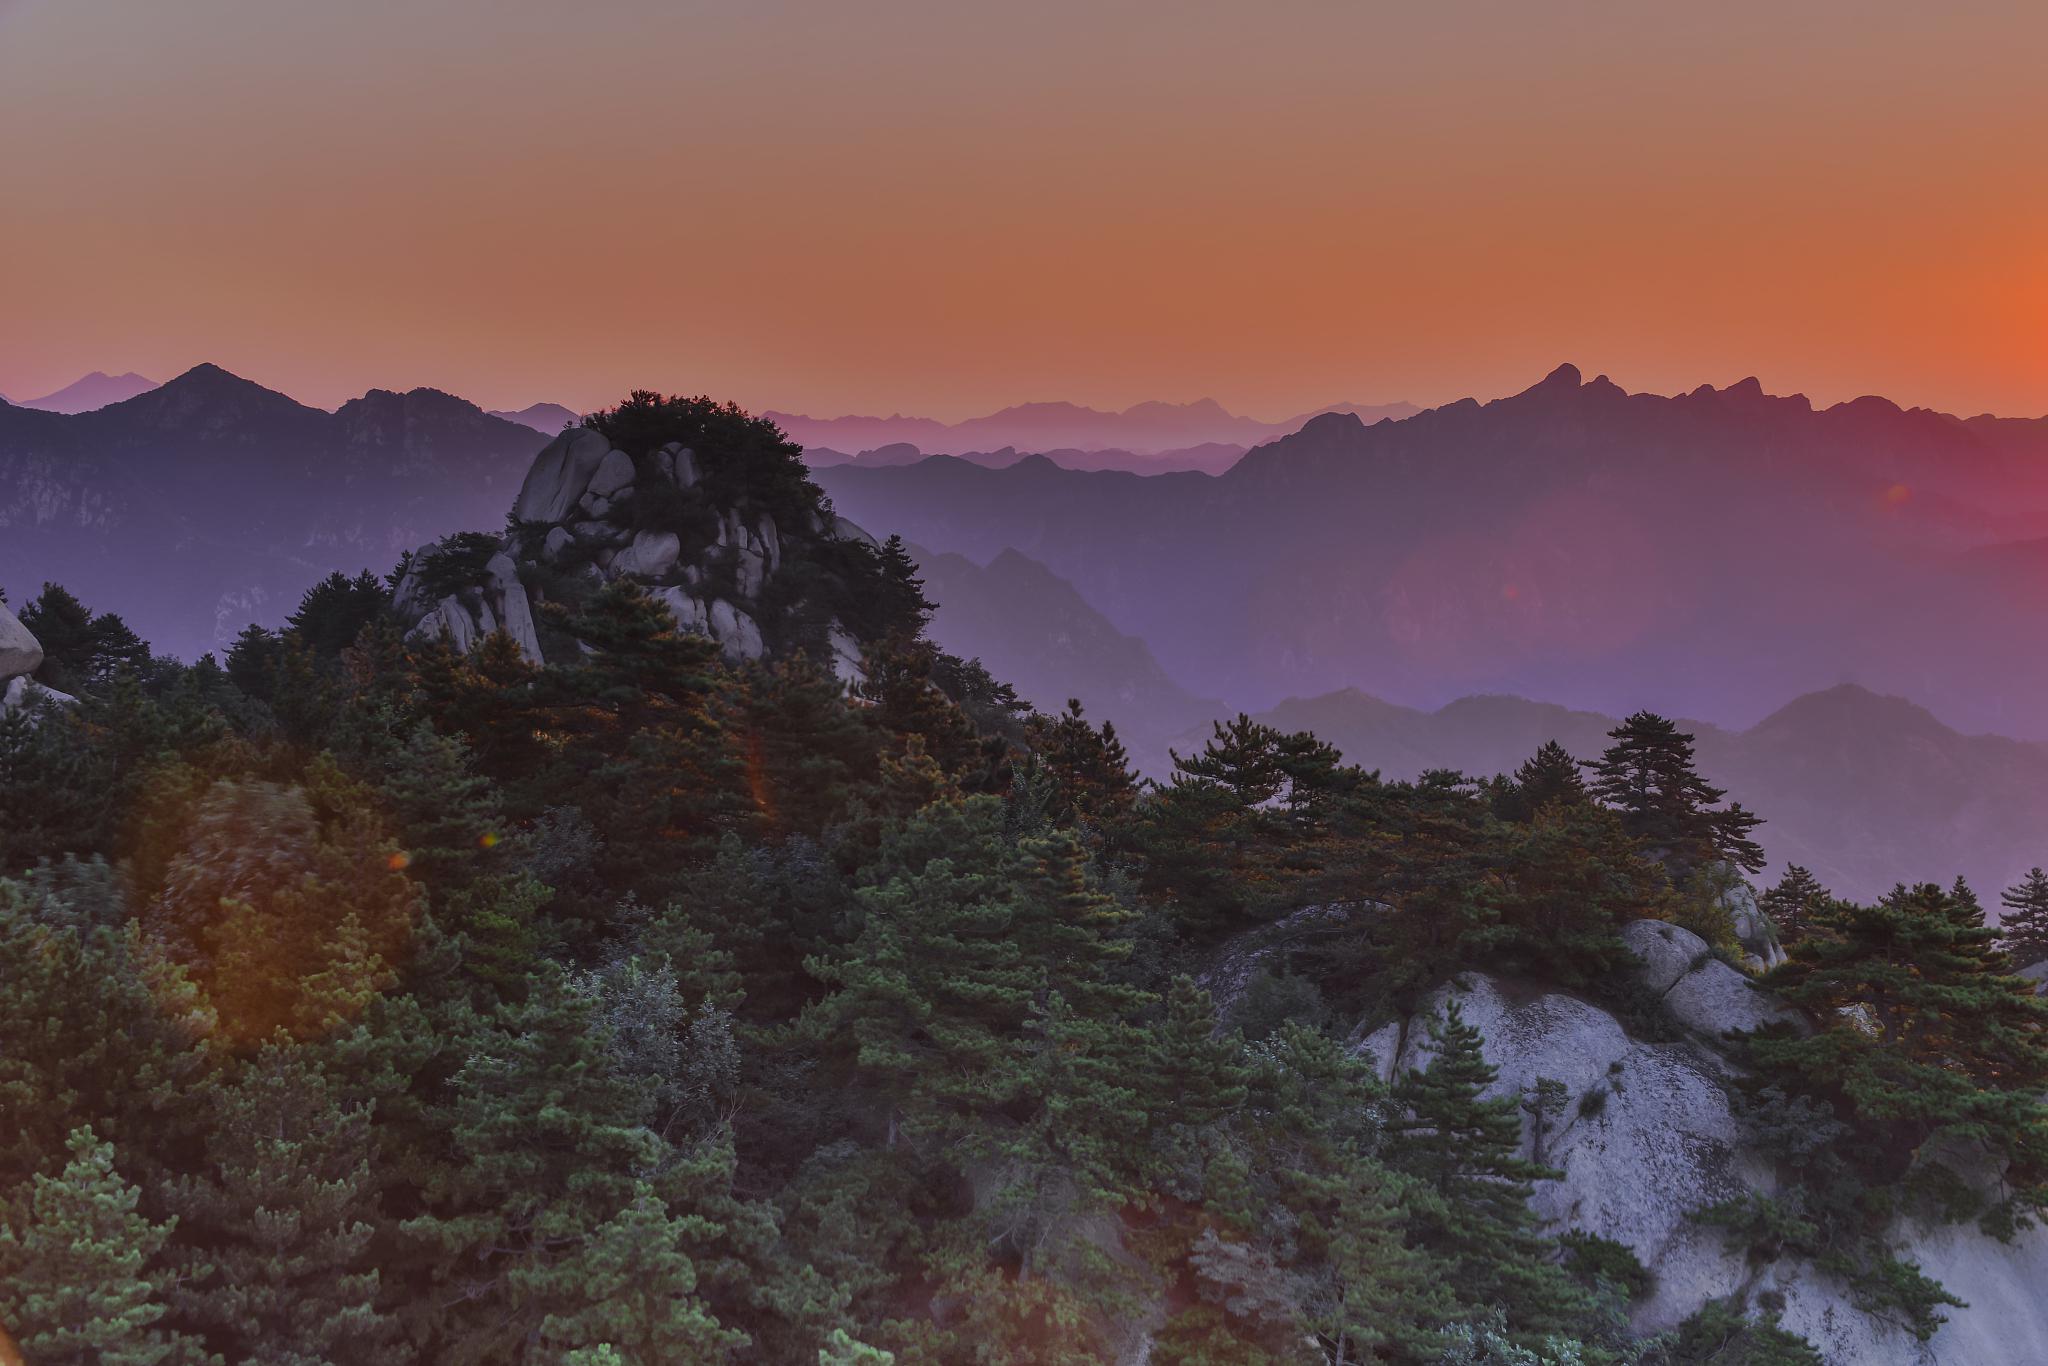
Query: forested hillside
{"type": "Point", "coordinates": [638, 1000]}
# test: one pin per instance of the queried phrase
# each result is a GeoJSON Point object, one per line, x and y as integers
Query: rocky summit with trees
{"type": "Point", "coordinates": [627, 938]}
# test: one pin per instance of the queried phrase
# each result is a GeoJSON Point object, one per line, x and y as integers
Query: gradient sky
{"type": "Point", "coordinates": [941, 207]}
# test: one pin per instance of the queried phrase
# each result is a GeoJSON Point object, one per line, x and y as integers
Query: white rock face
{"type": "Point", "coordinates": [1655, 1141]}
{"type": "Point", "coordinates": [1662, 1140]}
{"type": "Point", "coordinates": [736, 632]}
{"type": "Point", "coordinates": [843, 530]}
{"type": "Point", "coordinates": [23, 691]}
{"type": "Point", "coordinates": [689, 612]}
{"type": "Point", "coordinates": [614, 472]}
{"type": "Point", "coordinates": [560, 474]}
{"type": "Point", "coordinates": [514, 608]}
{"type": "Point", "coordinates": [685, 470]}
{"type": "Point", "coordinates": [1701, 992]}
{"type": "Point", "coordinates": [20, 652]}
{"type": "Point", "coordinates": [846, 656]}
{"type": "Point", "coordinates": [652, 554]}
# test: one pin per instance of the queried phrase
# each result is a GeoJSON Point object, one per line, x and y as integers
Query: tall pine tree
{"type": "Point", "coordinates": [1464, 1152]}
{"type": "Point", "coordinates": [2023, 929]}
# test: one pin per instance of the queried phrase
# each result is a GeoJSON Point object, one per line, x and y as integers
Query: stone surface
{"type": "Point", "coordinates": [560, 474]}
{"type": "Point", "coordinates": [652, 554]}
{"type": "Point", "coordinates": [1666, 952]}
{"type": "Point", "coordinates": [843, 530]}
{"type": "Point", "coordinates": [613, 473]}
{"type": "Point", "coordinates": [1715, 999]}
{"type": "Point", "coordinates": [23, 691]}
{"type": "Point", "coordinates": [689, 612]}
{"type": "Point", "coordinates": [1698, 990]}
{"type": "Point", "coordinates": [737, 633]}
{"type": "Point", "coordinates": [846, 656]}
{"type": "Point", "coordinates": [1662, 1140]}
{"type": "Point", "coordinates": [515, 611]}
{"type": "Point", "coordinates": [20, 653]}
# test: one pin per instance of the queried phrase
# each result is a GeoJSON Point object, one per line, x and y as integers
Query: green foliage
{"type": "Point", "coordinates": [335, 610]}
{"type": "Point", "coordinates": [82, 1279]}
{"type": "Point", "coordinates": [1647, 775]}
{"type": "Point", "coordinates": [738, 457]}
{"type": "Point", "coordinates": [1793, 904]}
{"type": "Point", "coordinates": [82, 652]}
{"type": "Point", "coordinates": [2023, 929]}
{"type": "Point", "coordinates": [1721, 1334]}
{"type": "Point", "coordinates": [1464, 1153]}
{"type": "Point", "coordinates": [1928, 1035]}
{"type": "Point", "coordinates": [1549, 777]}
{"type": "Point", "coordinates": [457, 563]}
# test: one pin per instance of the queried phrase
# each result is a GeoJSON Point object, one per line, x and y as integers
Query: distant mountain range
{"type": "Point", "coordinates": [95, 390]}
{"type": "Point", "coordinates": [210, 502]}
{"type": "Point", "coordinates": [1865, 790]}
{"type": "Point", "coordinates": [548, 418]}
{"type": "Point", "coordinates": [1144, 429]}
{"type": "Point", "coordinates": [1211, 458]}
{"type": "Point", "coordinates": [1709, 554]}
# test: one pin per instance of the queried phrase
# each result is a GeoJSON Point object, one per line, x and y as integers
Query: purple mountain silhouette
{"type": "Point", "coordinates": [1143, 429]}
{"type": "Point", "coordinates": [95, 390]}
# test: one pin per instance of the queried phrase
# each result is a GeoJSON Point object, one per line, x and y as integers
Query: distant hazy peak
{"type": "Point", "coordinates": [92, 391]}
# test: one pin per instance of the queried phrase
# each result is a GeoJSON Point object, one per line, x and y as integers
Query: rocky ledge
{"type": "Point", "coordinates": [590, 512]}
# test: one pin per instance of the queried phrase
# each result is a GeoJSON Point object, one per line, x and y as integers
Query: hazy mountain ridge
{"type": "Point", "coordinates": [204, 503]}
{"type": "Point", "coordinates": [1209, 458]}
{"type": "Point", "coordinates": [89, 392]}
{"type": "Point", "coordinates": [1710, 553]}
{"type": "Point", "coordinates": [1035, 632]}
{"type": "Point", "coordinates": [1865, 790]}
{"type": "Point", "coordinates": [1142, 429]}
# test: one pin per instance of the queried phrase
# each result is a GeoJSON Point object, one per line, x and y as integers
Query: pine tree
{"type": "Point", "coordinates": [82, 1278]}
{"type": "Point", "coordinates": [1090, 769]}
{"type": "Point", "coordinates": [547, 1143]}
{"type": "Point", "coordinates": [1549, 776]}
{"type": "Point", "coordinates": [981, 984]}
{"type": "Point", "coordinates": [902, 608]}
{"type": "Point", "coordinates": [334, 611]}
{"type": "Point", "coordinates": [637, 1284]}
{"type": "Point", "coordinates": [2023, 929]}
{"type": "Point", "coordinates": [1928, 1033]}
{"type": "Point", "coordinates": [1647, 774]}
{"type": "Point", "coordinates": [1464, 1153]}
{"type": "Point", "coordinates": [804, 749]}
{"type": "Point", "coordinates": [96, 1028]}
{"type": "Point", "coordinates": [81, 651]}
{"type": "Point", "coordinates": [1794, 903]}
{"type": "Point", "coordinates": [274, 1251]}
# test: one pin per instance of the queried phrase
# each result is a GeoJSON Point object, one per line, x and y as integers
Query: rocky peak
{"type": "Point", "coordinates": [733, 546]}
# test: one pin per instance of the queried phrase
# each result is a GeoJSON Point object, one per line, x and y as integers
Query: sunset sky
{"type": "Point", "coordinates": [941, 207]}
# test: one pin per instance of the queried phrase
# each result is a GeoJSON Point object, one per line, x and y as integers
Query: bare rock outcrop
{"type": "Point", "coordinates": [1648, 1136]}
{"type": "Point", "coordinates": [589, 513]}
{"type": "Point", "coordinates": [20, 653]}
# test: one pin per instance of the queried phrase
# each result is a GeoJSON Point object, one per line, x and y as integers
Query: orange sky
{"type": "Point", "coordinates": [943, 206]}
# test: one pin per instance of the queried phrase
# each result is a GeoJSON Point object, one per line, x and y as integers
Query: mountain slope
{"type": "Point", "coordinates": [211, 501]}
{"type": "Point", "coordinates": [1142, 429]}
{"type": "Point", "coordinates": [1710, 553]}
{"type": "Point", "coordinates": [1036, 633]}
{"type": "Point", "coordinates": [1209, 458]}
{"type": "Point", "coordinates": [545, 418]}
